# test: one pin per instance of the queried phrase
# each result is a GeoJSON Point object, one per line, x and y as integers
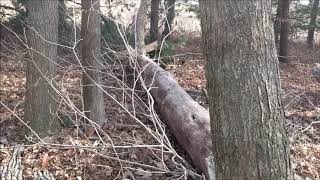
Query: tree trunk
{"type": "Point", "coordinates": [313, 22]}
{"type": "Point", "coordinates": [277, 25]}
{"type": "Point", "coordinates": [90, 49]}
{"type": "Point", "coordinates": [247, 121]}
{"type": "Point", "coordinates": [188, 121]}
{"type": "Point", "coordinates": [284, 31]}
{"type": "Point", "coordinates": [40, 105]}
{"type": "Point", "coordinates": [170, 8]}
{"type": "Point", "coordinates": [154, 20]}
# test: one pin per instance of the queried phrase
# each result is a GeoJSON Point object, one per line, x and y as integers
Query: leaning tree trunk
{"type": "Point", "coordinates": [249, 139]}
{"type": "Point", "coordinates": [170, 8]}
{"type": "Point", "coordinates": [313, 22]}
{"type": "Point", "coordinates": [40, 104]}
{"type": "Point", "coordinates": [284, 31]}
{"type": "Point", "coordinates": [154, 20]}
{"type": "Point", "coordinates": [188, 121]}
{"type": "Point", "coordinates": [90, 49]}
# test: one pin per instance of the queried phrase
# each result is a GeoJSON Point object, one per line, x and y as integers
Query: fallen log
{"type": "Point", "coordinates": [188, 121]}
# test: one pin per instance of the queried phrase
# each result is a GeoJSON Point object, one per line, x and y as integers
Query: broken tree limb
{"type": "Point", "coordinates": [188, 121]}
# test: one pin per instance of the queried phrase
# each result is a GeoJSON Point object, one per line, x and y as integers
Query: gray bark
{"type": "Point", "coordinates": [90, 49]}
{"type": "Point", "coordinates": [249, 139]}
{"type": "Point", "coordinates": [40, 106]}
{"type": "Point", "coordinates": [277, 24]}
{"type": "Point", "coordinates": [170, 7]}
{"type": "Point", "coordinates": [188, 121]}
{"type": "Point", "coordinates": [313, 22]}
{"type": "Point", "coordinates": [284, 30]}
{"type": "Point", "coordinates": [154, 20]}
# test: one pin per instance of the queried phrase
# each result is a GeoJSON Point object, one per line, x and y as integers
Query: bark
{"type": "Point", "coordinates": [313, 22]}
{"type": "Point", "coordinates": [40, 105]}
{"type": "Point", "coordinates": [154, 20]}
{"type": "Point", "coordinates": [11, 167]}
{"type": "Point", "coordinates": [90, 49]}
{"type": "Point", "coordinates": [277, 24]}
{"type": "Point", "coordinates": [284, 31]}
{"type": "Point", "coordinates": [249, 139]}
{"type": "Point", "coordinates": [188, 121]}
{"type": "Point", "coordinates": [170, 8]}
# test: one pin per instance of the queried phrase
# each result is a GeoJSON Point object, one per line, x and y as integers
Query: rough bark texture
{"type": "Point", "coordinates": [284, 31]}
{"type": "Point", "coordinates": [313, 22]}
{"type": "Point", "coordinates": [188, 121]}
{"type": "Point", "coordinates": [40, 106]}
{"type": "Point", "coordinates": [90, 49]}
{"type": "Point", "coordinates": [247, 121]}
{"type": "Point", "coordinates": [170, 7]}
{"type": "Point", "coordinates": [154, 20]}
{"type": "Point", "coordinates": [11, 167]}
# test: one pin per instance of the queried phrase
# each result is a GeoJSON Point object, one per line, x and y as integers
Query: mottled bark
{"type": "Point", "coordinates": [90, 49]}
{"type": "Point", "coordinates": [249, 139]}
{"type": "Point", "coordinates": [284, 30]}
{"type": "Point", "coordinates": [313, 22]}
{"type": "Point", "coordinates": [40, 105]}
{"type": "Point", "coordinates": [154, 20]}
{"type": "Point", "coordinates": [170, 8]}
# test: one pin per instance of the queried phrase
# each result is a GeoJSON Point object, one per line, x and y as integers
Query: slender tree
{"type": "Point", "coordinates": [170, 7]}
{"type": "Point", "coordinates": [90, 49]}
{"type": "Point", "coordinates": [277, 24]}
{"type": "Point", "coordinates": [313, 22]}
{"type": "Point", "coordinates": [247, 122]}
{"type": "Point", "coordinates": [284, 31]}
{"type": "Point", "coordinates": [40, 105]}
{"type": "Point", "coordinates": [154, 20]}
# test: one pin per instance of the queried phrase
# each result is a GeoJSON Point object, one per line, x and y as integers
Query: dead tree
{"type": "Point", "coordinates": [188, 121]}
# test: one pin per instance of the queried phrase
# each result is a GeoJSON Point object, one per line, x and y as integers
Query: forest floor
{"type": "Point", "coordinates": [129, 149]}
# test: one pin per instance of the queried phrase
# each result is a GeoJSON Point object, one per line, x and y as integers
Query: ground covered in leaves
{"type": "Point", "coordinates": [133, 144]}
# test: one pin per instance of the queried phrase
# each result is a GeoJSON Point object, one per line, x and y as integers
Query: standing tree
{"type": "Point", "coordinates": [313, 22]}
{"type": "Point", "coordinates": [40, 105]}
{"type": "Point", "coordinates": [154, 20]}
{"type": "Point", "coordinates": [284, 30]}
{"type": "Point", "coordinates": [249, 139]}
{"type": "Point", "coordinates": [277, 24]}
{"type": "Point", "coordinates": [170, 8]}
{"type": "Point", "coordinates": [90, 49]}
